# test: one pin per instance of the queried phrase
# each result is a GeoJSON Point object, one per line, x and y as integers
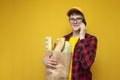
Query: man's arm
{"type": "Point", "coordinates": [88, 52]}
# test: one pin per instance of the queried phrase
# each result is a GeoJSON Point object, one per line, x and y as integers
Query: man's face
{"type": "Point", "coordinates": [75, 21]}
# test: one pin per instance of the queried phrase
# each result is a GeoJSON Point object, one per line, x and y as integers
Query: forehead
{"type": "Point", "coordinates": [76, 16]}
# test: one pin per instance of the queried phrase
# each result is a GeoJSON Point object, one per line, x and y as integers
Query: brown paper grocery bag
{"type": "Point", "coordinates": [62, 69]}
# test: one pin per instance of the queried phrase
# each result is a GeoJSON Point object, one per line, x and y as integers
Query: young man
{"type": "Point", "coordinates": [84, 47]}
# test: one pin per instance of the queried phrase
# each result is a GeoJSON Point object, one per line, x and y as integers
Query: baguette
{"type": "Point", "coordinates": [48, 41]}
{"type": "Point", "coordinates": [60, 45]}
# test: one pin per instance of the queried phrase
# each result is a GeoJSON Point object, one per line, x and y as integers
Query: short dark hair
{"type": "Point", "coordinates": [78, 12]}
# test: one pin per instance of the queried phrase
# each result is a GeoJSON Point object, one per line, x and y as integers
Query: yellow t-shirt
{"type": "Point", "coordinates": [73, 41]}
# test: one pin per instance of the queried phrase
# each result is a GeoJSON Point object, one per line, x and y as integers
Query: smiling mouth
{"type": "Point", "coordinates": [75, 25]}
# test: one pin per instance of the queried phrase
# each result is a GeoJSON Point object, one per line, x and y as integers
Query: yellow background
{"type": "Point", "coordinates": [24, 24]}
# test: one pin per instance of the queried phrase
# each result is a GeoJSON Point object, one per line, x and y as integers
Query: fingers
{"type": "Point", "coordinates": [51, 66]}
{"type": "Point", "coordinates": [82, 26]}
{"type": "Point", "coordinates": [50, 63]}
{"type": "Point", "coordinates": [53, 62]}
{"type": "Point", "coordinates": [82, 31]}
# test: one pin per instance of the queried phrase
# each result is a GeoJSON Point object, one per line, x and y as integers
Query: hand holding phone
{"type": "Point", "coordinates": [82, 31]}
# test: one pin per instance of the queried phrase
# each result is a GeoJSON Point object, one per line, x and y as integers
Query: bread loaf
{"type": "Point", "coordinates": [60, 45]}
{"type": "Point", "coordinates": [48, 41]}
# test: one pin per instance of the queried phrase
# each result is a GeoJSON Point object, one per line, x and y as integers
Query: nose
{"type": "Point", "coordinates": [75, 21]}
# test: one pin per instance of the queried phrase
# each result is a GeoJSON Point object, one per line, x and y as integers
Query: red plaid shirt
{"type": "Point", "coordinates": [83, 58]}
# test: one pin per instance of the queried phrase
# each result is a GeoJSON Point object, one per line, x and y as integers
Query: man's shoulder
{"type": "Point", "coordinates": [68, 36]}
{"type": "Point", "coordinates": [87, 36]}
{"type": "Point", "coordinates": [90, 36]}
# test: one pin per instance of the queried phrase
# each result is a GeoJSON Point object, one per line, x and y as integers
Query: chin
{"type": "Point", "coordinates": [76, 29]}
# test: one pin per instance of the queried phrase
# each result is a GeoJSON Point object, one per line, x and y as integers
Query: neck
{"type": "Point", "coordinates": [76, 33]}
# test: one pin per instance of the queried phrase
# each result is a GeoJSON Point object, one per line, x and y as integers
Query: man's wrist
{"type": "Point", "coordinates": [82, 37]}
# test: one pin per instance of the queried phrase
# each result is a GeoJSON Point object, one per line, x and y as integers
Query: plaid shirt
{"type": "Point", "coordinates": [83, 58]}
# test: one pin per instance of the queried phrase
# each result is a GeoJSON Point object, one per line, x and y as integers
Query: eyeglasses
{"type": "Point", "coordinates": [77, 19]}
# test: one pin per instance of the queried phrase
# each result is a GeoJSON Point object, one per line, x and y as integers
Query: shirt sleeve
{"type": "Point", "coordinates": [87, 51]}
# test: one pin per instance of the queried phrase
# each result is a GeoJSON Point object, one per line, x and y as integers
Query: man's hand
{"type": "Point", "coordinates": [82, 31]}
{"type": "Point", "coordinates": [51, 63]}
